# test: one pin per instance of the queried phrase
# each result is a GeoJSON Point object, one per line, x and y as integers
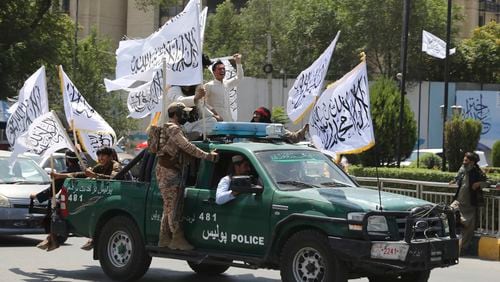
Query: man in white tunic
{"type": "Point", "coordinates": [217, 90]}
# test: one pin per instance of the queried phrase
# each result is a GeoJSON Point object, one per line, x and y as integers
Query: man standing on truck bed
{"type": "Point", "coordinates": [173, 154]}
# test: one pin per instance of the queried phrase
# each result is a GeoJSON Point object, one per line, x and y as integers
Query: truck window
{"type": "Point", "coordinates": [223, 167]}
{"type": "Point", "coordinates": [300, 169]}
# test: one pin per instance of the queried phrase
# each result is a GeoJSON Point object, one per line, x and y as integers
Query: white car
{"type": "Point", "coordinates": [16, 185]}
{"type": "Point", "coordinates": [439, 152]}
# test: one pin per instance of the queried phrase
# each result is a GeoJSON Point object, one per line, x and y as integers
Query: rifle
{"type": "Point", "coordinates": [179, 201]}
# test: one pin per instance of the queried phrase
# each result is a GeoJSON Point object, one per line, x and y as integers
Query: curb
{"type": "Point", "coordinates": [489, 248]}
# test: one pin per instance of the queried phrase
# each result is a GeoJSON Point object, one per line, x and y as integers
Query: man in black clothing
{"type": "Point", "coordinates": [72, 166]}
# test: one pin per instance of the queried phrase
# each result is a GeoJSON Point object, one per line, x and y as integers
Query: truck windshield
{"type": "Point", "coordinates": [302, 169]}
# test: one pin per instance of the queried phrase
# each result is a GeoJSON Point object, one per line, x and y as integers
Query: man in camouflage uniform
{"type": "Point", "coordinates": [173, 153]}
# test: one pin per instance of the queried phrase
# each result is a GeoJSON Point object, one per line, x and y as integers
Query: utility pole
{"type": "Point", "coordinates": [404, 51]}
{"type": "Point", "coordinates": [269, 61]}
{"type": "Point", "coordinates": [446, 79]}
{"type": "Point", "coordinates": [75, 46]}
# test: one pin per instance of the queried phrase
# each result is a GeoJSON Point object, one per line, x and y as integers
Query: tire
{"type": "Point", "coordinates": [416, 276]}
{"type": "Point", "coordinates": [307, 257]}
{"type": "Point", "coordinates": [207, 268]}
{"type": "Point", "coordinates": [121, 250]}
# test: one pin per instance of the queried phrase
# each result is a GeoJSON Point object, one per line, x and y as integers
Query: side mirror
{"type": "Point", "coordinates": [48, 170]}
{"type": "Point", "coordinates": [243, 184]}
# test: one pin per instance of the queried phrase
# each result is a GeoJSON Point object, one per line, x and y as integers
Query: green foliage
{"type": "Point", "coordinates": [495, 154]}
{"type": "Point", "coordinates": [298, 32]}
{"type": "Point", "coordinates": [429, 161]}
{"type": "Point", "coordinates": [385, 103]}
{"type": "Point", "coordinates": [478, 56]}
{"type": "Point", "coordinates": [278, 115]}
{"type": "Point", "coordinates": [223, 32]}
{"type": "Point", "coordinates": [421, 174]}
{"type": "Point", "coordinates": [33, 33]}
{"type": "Point", "coordinates": [461, 135]}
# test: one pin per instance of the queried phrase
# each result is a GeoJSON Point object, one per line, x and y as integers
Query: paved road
{"type": "Point", "coordinates": [21, 261]}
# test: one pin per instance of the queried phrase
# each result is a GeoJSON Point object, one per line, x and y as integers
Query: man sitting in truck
{"type": "Point", "coordinates": [106, 168]}
{"type": "Point", "coordinates": [240, 166]}
{"type": "Point", "coordinates": [174, 153]}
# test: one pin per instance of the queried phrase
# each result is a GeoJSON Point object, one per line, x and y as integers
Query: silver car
{"type": "Point", "coordinates": [16, 185]}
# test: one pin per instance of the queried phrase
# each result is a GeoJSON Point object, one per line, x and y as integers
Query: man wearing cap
{"type": "Point", "coordinates": [174, 152]}
{"type": "Point", "coordinates": [240, 166]}
{"type": "Point", "coordinates": [218, 90]}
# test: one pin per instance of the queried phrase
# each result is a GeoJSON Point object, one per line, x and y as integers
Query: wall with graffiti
{"type": "Point", "coordinates": [485, 107]}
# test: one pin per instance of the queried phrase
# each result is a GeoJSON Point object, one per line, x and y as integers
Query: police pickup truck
{"type": "Point", "coordinates": [301, 215]}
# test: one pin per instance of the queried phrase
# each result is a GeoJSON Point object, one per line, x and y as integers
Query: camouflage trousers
{"type": "Point", "coordinates": [169, 181]}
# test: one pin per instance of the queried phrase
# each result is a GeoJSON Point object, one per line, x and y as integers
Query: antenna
{"type": "Point", "coordinates": [379, 188]}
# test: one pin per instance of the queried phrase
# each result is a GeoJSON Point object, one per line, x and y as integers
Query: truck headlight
{"type": "Point", "coordinates": [377, 223]}
{"type": "Point", "coordinates": [355, 220]}
{"type": "Point", "coordinates": [4, 202]}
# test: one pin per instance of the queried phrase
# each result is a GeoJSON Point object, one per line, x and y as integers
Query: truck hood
{"type": "Point", "coordinates": [358, 199]}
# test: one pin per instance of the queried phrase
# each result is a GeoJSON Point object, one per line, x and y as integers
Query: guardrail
{"type": "Point", "coordinates": [438, 192]}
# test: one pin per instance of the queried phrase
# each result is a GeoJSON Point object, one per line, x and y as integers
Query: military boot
{"type": "Point", "coordinates": [164, 238]}
{"type": "Point", "coordinates": [179, 242]}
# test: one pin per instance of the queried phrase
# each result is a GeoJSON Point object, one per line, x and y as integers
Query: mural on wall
{"type": "Point", "coordinates": [485, 107]}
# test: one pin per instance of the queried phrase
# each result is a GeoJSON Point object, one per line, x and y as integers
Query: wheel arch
{"type": "Point", "coordinates": [292, 224]}
{"type": "Point", "coordinates": [105, 217]}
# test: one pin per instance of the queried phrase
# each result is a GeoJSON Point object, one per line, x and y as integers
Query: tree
{"type": "Point", "coordinates": [33, 33]}
{"type": "Point", "coordinates": [479, 55]}
{"type": "Point", "coordinates": [383, 43]}
{"type": "Point", "coordinates": [384, 104]}
{"type": "Point", "coordinates": [461, 136]}
{"type": "Point", "coordinates": [222, 36]}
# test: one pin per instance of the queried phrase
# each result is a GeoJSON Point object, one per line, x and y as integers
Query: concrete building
{"type": "Point", "coordinates": [118, 18]}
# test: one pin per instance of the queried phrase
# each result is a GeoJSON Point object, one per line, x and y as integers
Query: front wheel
{"type": "Point", "coordinates": [306, 257]}
{"type": "Point", "coordinates": [121, 250]}
{"type": "Point", "coordinates": [207, 268]}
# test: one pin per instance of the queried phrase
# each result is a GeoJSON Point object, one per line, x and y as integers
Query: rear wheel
{"type": "Point", "coordinates": [121, 250]}
{"type": "Point", "coordinates": [306, 257]}
{"type": "Point", "coordinates": [207, 268]}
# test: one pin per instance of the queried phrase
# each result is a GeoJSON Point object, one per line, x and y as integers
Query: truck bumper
{"type": "Point", "coordinates": [418, 255]}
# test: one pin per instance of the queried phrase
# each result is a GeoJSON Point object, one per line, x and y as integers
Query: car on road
{"type": "Point", "coordinates": [439, 152]}
{"type": "Point", "coordinates": [16, 185]}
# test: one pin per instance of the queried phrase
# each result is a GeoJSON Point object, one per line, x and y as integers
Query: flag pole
{"type": "Point", "coordinates": [163, 116]}
{"type": "Point", "coordinates": [53, 183]}
{"type": "Point", "coordinates": [73, 147]}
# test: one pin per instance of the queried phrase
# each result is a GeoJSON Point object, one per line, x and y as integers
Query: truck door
{"type": "Point", "coordinates": [241, 225]}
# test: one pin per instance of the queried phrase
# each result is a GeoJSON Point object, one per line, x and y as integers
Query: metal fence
{"type": "Point", "coordinates": [438, 192]}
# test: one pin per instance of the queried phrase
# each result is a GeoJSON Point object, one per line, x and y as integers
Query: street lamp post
{"type": "Point", "coordinates": [404, 50]}
{"type": "Point", "coordinates": [446, 78]}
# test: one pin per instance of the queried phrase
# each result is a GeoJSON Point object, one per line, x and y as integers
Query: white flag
{"type": "Point", "coordinates": [230, 74]}
{"type": "Point", "coordinates": [43, 137]}
{"type": "Point", "coordinates": [434, 46]}
{"type": "Point", "coordinates": [92, 130]}
{"type": "Point", "coordinates": [308, 84]}
{"type": "Point", "coordinates": [178, 40]}
{"type": "Point", "coordinates": [32, 103]}
{"type": "Point", "coordinates": [147, 98]}
{"type": "Point", "coordinates": [341, 122]}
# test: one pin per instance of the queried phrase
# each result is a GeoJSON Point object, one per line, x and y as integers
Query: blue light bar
{"type": "Point", "coordinates": [242, 129]}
